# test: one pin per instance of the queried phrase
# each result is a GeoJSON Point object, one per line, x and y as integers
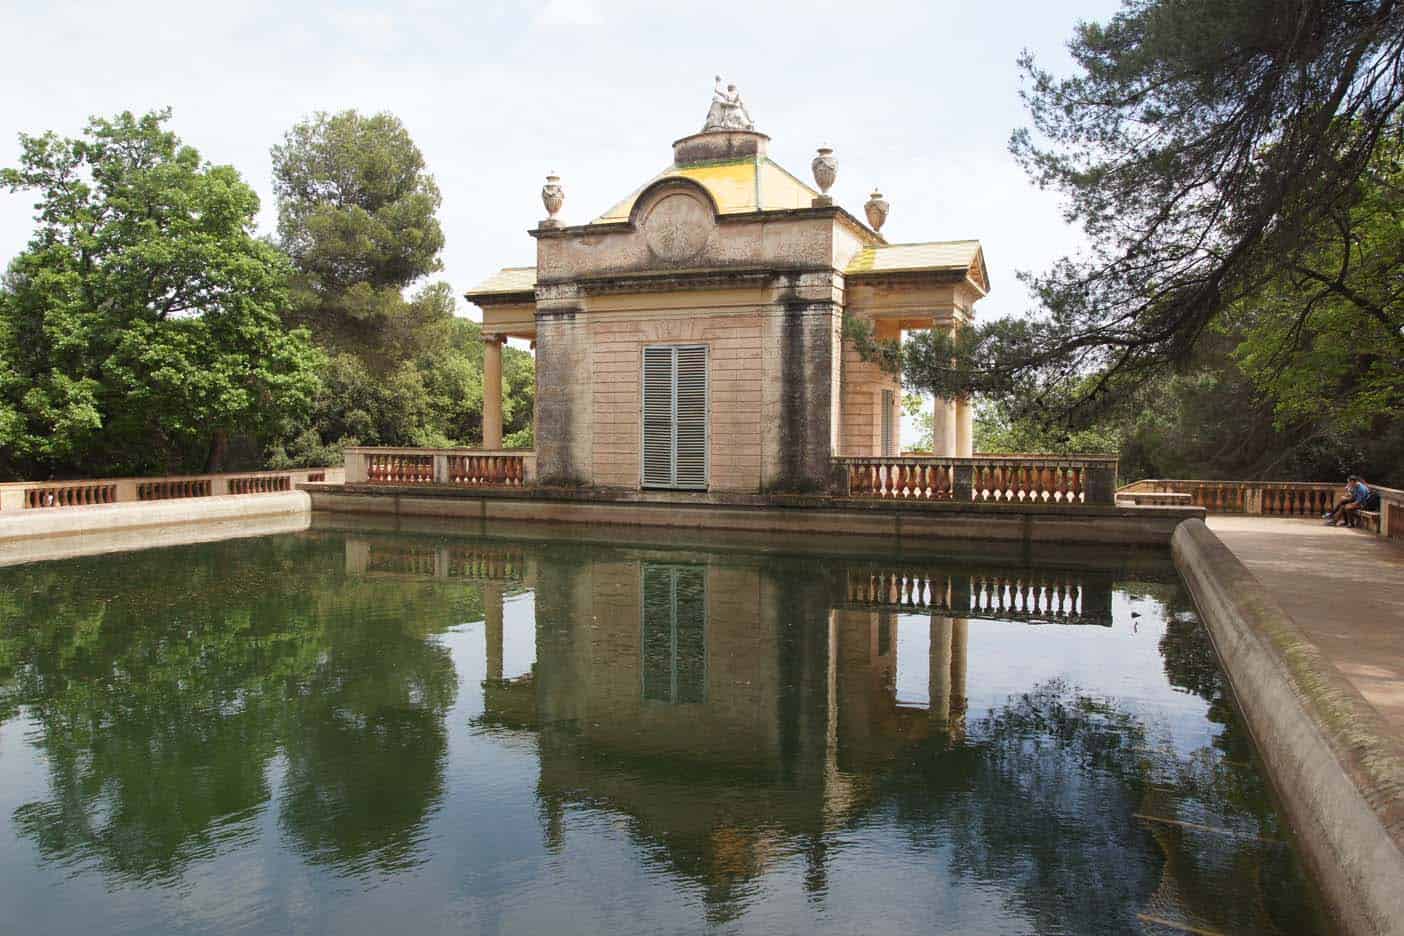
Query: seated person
{"type": "Point", "coordinates": [1366, 498]}
{"type": "Point", "coordinates": [1362, 498]}
{"type": "Point", "coordinates": [1347, 495]}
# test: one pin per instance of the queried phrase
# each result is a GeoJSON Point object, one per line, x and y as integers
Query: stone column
{"type": "Point", "coordinates": [492, 392]}
{"type": "Point", "coordinates": [960, 639]}
{"type": "Point", "coordinates": [965, 428]}
{"type": "Point", "coordinates": [939, 674]}
{"type": "Point", "coordinates": [944, 441]}
{"type": "Point", "coordinates": [945, 423]}
{"type": "Point", "coordinates": [357, 556]}
{"type": "Point", "coordinates": [492, 620]}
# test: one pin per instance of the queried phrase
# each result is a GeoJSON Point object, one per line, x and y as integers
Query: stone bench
{"type": "Point", "coordinates": [1153, 499]}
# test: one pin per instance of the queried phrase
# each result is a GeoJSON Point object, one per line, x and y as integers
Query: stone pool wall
{"type": "Point", "coordinates": [899, 523]}
{"type": "Point", "coordinates": [1337, 768]}
{"type": "Point", "coordinates": [35, 535]}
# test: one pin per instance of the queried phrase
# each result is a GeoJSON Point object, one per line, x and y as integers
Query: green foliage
{"type": "Point", "coordinates": [997, 431]}
{"type": "Point", "coordinates": [1210, 420]}
{"type": "Point", "coordinates": [356, 212]}
{"type": "Point", "coordinates": [524, 438]}
{"type": "Point", "coordinates": [919, 408]}
{"type": "Point", "coordinates": [140, 328]}
{"type": "Point", "coordinates": [885, 352]}
{"type": "Point", "coordinates": [1207, 148]}
{"type": "Point", "coordinates": [1329, 346]}
{"type": "Point", "coordinates": [1240, 312]}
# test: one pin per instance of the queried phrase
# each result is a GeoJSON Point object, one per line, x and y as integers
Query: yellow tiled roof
{"type": "Point", "coordinates": [738, 185]}
{"type": "Point", "coordinates": [893, 258]}
{"type": "Point", "coordinates": [507, 280]}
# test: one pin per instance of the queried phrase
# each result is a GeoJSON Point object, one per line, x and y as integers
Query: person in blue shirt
{"type": "Point", "coordinates": [1362, 497]}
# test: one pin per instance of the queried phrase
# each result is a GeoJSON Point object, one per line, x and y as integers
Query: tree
{"type": "Point", "coordinates": [356, 212]}
{"type": "Point", "coordinates": [1208, 148]}
{"type": "Point", "coordinates": [1333, 352]}
{"type": "Point", "coordinates": [140, 329]}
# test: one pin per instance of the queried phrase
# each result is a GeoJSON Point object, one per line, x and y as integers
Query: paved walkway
{"type": "Point", "coordinates": [1345, 589]}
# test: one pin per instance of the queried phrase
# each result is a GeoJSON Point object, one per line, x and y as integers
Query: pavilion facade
{"type": "Point", "coordinates": [691, 337]}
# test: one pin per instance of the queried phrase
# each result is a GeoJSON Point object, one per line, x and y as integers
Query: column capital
{"type": "Point", "coordinates": [494, 339]}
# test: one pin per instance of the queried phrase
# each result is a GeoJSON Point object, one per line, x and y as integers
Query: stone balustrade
{"type": "Point", "coordinates": [32, 495]}
{"type": "Point", "coordinates": [1271, 498]}
{"type": "Point", "coordinates": [481, 563]}
{"type": "Point", "coordinates": [1067, 480]}
{"type": "Point", "coordinates": [457, 467]}
{"type": "Point", "coordinates": [1069, 598]}
{"type": "Point", "coordinates": [1277, 498]}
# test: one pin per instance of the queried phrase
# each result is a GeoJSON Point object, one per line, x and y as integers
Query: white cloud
{"type": "Point", "coordinates": [569, 13]}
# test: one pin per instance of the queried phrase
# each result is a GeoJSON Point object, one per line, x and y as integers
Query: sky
{"type": "Point", "coordinates": [918, 99]}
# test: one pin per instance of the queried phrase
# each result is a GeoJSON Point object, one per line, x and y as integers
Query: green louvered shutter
{"type": "Point", "coordinates": [675, 417]}
{"type": "Point", "coordinates": [690, 418]}
{"type": "Point", "coordinates": [889, 434]}
{"type": "Point", "coordinates": [674, 633]}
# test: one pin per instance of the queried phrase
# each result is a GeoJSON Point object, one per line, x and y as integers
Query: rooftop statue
{"type": "Point", "coordinates": [727, 111]}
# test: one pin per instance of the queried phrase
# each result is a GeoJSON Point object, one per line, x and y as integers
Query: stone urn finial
{"type": "Point", "coordinates": [825, 168]}
{"type": "Point", "coordinates": [552, 196]}
{"type": "Point", "coordinates": [876, 210]}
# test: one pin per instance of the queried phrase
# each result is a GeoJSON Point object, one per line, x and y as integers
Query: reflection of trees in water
{"type": "Point", "coordinates": [366, 745]}
{"type": "Point", "coordinates": [1039, 800]}
{"type": "Point", "coordinates": [164, 682]}
{"type": "Point", "coordinates": [1226, 785]}
{"type": "Point", "coordinates": [1048, 797]}
{"type": "Point", "coordinates": [1051, 799]}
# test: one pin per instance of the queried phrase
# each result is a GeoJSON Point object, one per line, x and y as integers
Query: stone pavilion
{"type": "Point", "coordinates": [690, 338]}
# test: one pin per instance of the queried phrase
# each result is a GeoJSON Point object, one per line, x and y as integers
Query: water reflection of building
{"type": "Point", "coordinates": [740, 713]}
{"type": "Point", "coordinates": [729, 708]}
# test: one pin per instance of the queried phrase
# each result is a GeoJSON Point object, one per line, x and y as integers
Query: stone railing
{"type": "Point", "coordinates": [456, 467]}
{"type": "Point", "coordinates": [1064, 598]}
{"type": "Point", "coordinates": [1272, 498]}
{"type": "Point", "coordinates": [1070, 480]}
{"type": "Point", "coordinates": [1276, 498]}
{"type": "Point", "coordinates": [31, 495]}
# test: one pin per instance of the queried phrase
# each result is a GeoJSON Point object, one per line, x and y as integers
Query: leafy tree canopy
{"type": "Point", "coordinates": [1214, 152]}
{"type": "Point", "coordinates": [357, 214]}
{"type": "Point", "coordinates": [140, 328]}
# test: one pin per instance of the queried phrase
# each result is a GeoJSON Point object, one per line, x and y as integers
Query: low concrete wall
{"type": "Point", "coordinates": [896, 523]}
{"type": "Point", "coordinates": [1336, 766]}
{"type": "Point", "coordinates": [34, 535]}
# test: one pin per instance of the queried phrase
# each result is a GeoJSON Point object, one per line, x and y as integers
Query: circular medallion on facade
{"type": "Point", "coordinates": [677, 227]}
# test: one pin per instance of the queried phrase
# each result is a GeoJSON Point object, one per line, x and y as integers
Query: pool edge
{"type": "Point", "coordinates": [42, 535]}
{"type": "Point", "coordinates": [1337, 767]}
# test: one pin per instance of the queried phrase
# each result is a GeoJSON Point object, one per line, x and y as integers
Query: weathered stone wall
{"type": "Point", "coordinates": [860, 396]}
{"type": "Point", "coordinates": [737, 370]}
{"type": "Point", "coordinates": [774, 343]}
{"type": "Point", "coordinates": [795, 241]}
{"type": "Point", "coordinates": [803, 408]}
{"type": "Point", "coordinates": [564, 397]}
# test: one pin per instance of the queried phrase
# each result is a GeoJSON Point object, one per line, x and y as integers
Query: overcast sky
{"type": "Point", "coordinates": [917, 98]}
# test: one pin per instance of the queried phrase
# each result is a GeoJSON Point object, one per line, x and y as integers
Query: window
{"type": "Point", "coordinates": [675, 417]}
{"type": "Point", "coordinates": [674, 633]}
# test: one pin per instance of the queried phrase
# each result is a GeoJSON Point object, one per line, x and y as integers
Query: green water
{"type": "Point", "coordinates": [347, 732]}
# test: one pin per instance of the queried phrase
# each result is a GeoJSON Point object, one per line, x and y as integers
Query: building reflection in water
{"type": "Point", "coordinates": [750, 719]}
{"type": "Point", "coordinates": [741, 710]}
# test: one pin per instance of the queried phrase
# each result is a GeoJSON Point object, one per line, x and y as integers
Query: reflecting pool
{"type": "Point", "coordinates": [346, 731]}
